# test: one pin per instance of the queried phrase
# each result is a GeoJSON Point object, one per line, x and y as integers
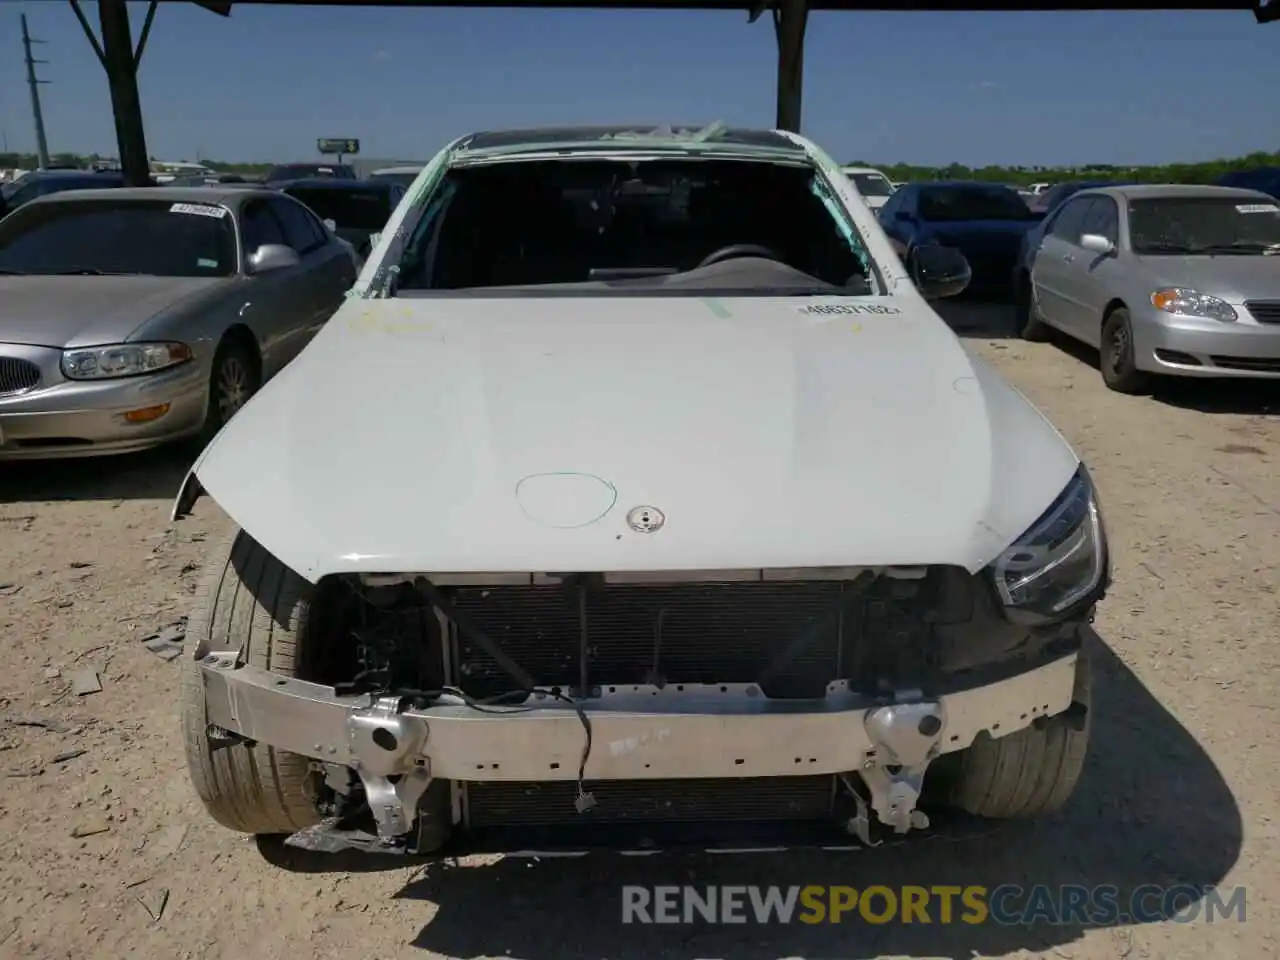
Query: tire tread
{"type": "Point", "coordinates": [1029, 773]}
{"type": "Point", "coordinates": [250, 601]}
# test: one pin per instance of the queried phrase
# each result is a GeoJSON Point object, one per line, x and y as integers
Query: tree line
{"type": "Point", "coordinates": [1208, 171]}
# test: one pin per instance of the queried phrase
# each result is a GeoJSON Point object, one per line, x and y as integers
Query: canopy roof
{"type": "Point", "coordinates": [1264, 11]}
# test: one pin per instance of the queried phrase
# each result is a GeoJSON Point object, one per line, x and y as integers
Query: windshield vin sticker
{"type": "Point", "coordinates": [1256, 208]}
{"type": "Point", "coordinates": [849, 309]}
{"type": "Point", "coordinates": [199, 209]}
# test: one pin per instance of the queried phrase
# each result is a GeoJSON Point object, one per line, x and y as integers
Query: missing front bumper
{"type": "Point", "coordinates": [626, 733]}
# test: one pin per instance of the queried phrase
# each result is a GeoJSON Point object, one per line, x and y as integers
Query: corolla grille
{"type": "Point", "coordinates": [17, 376]}
{"type": "Point", "coordinates": [1264, 311]}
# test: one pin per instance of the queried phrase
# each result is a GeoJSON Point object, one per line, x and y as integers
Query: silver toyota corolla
{"type": "Point", "coordinates": [132, 317]}
{"type": "Point", "coordinates": [1162, 279]}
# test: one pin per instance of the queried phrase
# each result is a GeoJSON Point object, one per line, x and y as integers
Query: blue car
{"type": "Point", "coordinates": [41, 183]}
{"type": "Point", "coordinates": [984, 221]}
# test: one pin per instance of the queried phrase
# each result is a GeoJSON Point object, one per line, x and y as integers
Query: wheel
{"type": "Point", "coordinates": [251, 602]}
{"type": "Point", "coordinates": [1116, 355]}
{"type": "Point", "coordinates": [233, 379]}
{"type": "Point", "coordinates": [1030, 326]}
{"type": "Point", "coordinates": [1025, 774]}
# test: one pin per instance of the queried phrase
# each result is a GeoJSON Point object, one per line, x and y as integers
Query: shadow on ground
{"type": "Point", "coordinates": [1221, 396]}
{"type": "Point", "coordinates": [153, 475]}
{"type": "Point", "coordinates": [1151, 809]}
{"type": "Point", "coordinates": [1224, 395]}
{"type": "Point", "coordinates": [979, 318]}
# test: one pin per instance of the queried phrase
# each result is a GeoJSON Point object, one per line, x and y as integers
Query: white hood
{"type": "Point", "coordinates": [502, 435]}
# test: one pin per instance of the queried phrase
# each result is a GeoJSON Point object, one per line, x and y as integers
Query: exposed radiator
{"type": "Point", "coordinates": [727, 632]}
{"type": "Point", "coordinates": [754, 799]}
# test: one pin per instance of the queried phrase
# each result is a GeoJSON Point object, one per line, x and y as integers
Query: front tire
{"type": "Point", "coordinates": [1030, 327]}
{"type": "Point", "coordinates": [1116, 356]}
{"type": "Point", "coordinates": [233, 379]}
{"type": "Point", "coordinates": [251, 602]}
{"type": "Point", "coordinates": [1029, 773]}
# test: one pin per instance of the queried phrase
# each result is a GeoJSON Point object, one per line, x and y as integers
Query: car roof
{"type": "Point", "coordinates": [963, 185]}
{"type": "Point", "coordinates": [862, 170]}
{"type": "Point", "coordinates": [312, 165]}
{"type": "Point", "coordinates": [76, 174]}
{"type": "Point", "coordinates": [333, 183]}
{"type": "Point", "coordinates": [1157, 191]}
{"type": "Point", "coordinates": [644, 134]}
{"type": "Point", "coordinates": [229, 193]}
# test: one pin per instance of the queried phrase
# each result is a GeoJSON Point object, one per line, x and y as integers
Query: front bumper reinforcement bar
{"type": "Point", "coordinates": [637, 732]}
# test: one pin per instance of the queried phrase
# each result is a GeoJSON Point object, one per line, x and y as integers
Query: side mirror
{"type": "Point", "coordinates": [939, 272]}
{"type": "Point", "coordinates": [1097, 243]}
{"type": "Point", "coordinates": [330, 225]}
{"type": "Point", "coordinates": [273, 256]}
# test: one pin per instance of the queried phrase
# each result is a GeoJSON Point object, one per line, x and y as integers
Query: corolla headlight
{"type": "Point", "coordinates": [1060, 561]}
{"type": "Point", "coordinates": [122, 360]}
{"type": "Point", "coordinates": [1192, 303]}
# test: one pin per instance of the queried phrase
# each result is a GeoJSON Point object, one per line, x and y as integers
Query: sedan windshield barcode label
{"type": "Point", "coordinates": [850, 309]}
{"type": "Point", "coordinates": [199, 209]}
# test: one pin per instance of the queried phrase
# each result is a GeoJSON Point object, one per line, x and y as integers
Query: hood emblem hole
{"type": "Point", "coordinates": [565, 500]}
{"type": "Point", "coordinates": [645, 519]}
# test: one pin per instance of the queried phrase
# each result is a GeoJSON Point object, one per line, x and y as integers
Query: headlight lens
{"type": "Point", "coordinates": [1060, 560]}
{"type": "Point", "coordinates": [1192, 303]}
{"type": "Point", "coordinates": [122, 360]}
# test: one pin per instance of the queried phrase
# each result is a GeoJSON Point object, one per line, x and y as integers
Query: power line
{"type": "Point", "coordinates": [42, 146]}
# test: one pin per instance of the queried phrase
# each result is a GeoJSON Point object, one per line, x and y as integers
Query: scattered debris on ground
{"type": "Point", "coordinates": [90, 827]}
{"type": "Point", "coordinates": [167, 643]}
{"type": "Point", "coordinates": [153, 902]}
{"type": "Point", "coordinates": [85, 681]}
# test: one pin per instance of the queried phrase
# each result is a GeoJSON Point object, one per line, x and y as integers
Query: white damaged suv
{"type": "Point", "coordinates": [637, 495]}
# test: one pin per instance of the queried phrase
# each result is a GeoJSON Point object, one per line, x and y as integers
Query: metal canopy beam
{"type": "Point", "coordinates": [790, 17]}
{"type": "Point", "coordinates": [1263, 10]}
{"type": "Point", "coordinates": [121, 59]}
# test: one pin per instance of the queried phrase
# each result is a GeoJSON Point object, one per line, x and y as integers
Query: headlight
{"type": "Point", "coordinates": [122, 360]}
{"type": "Point", "coordinates": [1191, 303]}
{"type": "Point", "coordinates": [1060, 561]}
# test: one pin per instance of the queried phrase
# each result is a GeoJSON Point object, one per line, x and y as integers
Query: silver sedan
{"type": "Point", "coordinates": [1162, 279]}
{"type": "Point", "coordinates": [134, 317]}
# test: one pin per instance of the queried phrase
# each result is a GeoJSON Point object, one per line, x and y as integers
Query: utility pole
{"type": "Point", "coordinates": [42, 146]}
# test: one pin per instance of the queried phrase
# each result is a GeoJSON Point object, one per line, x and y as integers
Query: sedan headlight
{"type": "Point", "coordinates": [1060, 561]}
{"type": "Point", "coordinates": [122, 360]}
{"type": "Point", "coordinates": [1192, 303]}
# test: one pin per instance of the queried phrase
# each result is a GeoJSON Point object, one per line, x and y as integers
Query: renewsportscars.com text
{"type": "Point", "coordinates": [1008, 904]}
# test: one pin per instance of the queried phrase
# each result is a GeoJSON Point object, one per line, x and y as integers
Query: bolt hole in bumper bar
{"type": "Point", "coordinates": [636, 732]}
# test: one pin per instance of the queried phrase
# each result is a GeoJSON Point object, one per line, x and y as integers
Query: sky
{"type": "Point", "coordinates": [974, 88]}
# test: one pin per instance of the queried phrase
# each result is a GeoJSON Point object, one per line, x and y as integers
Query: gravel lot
{"type": "Point", "coordinates": [1180, 787]}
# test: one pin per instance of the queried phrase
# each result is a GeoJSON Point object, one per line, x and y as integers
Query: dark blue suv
{"type": "Point", "coordinates": [1265, 179]}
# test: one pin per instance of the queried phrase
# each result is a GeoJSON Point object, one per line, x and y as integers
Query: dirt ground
{"type": "Point", "coordinates": [1181, 786]}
